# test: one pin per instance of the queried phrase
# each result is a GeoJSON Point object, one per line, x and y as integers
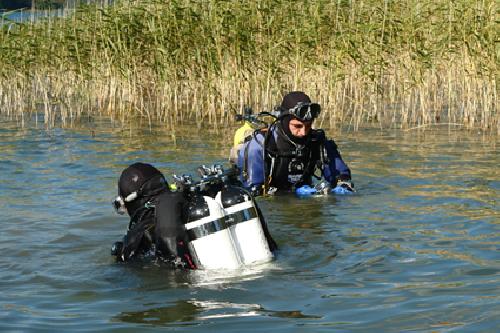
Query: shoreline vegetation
{"type": "Point", "coordinates": [397, 64]}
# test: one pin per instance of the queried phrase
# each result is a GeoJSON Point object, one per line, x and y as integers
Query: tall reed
{"type": "Point", "coordinates": [393, 63]}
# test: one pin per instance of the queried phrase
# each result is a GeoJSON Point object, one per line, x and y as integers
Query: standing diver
{"type": "Point", "coordinates": [182, 227]}
{"type": "Point", "coordinates": [289, 153]}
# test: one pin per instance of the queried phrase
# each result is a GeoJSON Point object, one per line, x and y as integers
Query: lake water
{"type": "Point", "coordinates": [25, 15]}
{"type": "Point", "coordinates": [415, 250]}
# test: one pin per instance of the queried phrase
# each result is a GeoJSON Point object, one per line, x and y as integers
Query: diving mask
{"type": "Point", "coordinates": [304, 111]}
{"type": "Point", "coordinates": [119, 203]}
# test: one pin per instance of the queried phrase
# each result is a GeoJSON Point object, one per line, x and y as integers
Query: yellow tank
{"type": "Point", "coordinates": [239, 138]}
{"type": "Point", "coordinates": [242, 132]}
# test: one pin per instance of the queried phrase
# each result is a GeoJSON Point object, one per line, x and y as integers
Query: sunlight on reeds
{"type": "Point", "coordinates": [397, 64]}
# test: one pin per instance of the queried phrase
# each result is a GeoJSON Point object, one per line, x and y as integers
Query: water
{"type": "Point", "coordinates": [416, 249]}
{"type": "Point", "coordinates": [25, 15]}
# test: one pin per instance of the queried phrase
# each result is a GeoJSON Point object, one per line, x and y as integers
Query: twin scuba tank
{"type": "Point", "coordinates": [225, 230]}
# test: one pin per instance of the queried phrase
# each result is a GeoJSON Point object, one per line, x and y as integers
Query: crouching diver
{"type": "Point", "coordinates": [156, 215]}
{"type": "Point", "coordinates": [205, 224]}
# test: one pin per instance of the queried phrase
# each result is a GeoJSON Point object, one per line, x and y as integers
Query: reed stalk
{"type": "Point", "coordinates": [393, 63]}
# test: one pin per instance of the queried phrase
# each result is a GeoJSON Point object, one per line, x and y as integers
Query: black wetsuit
{"type": "Point", "coordinates": [156, 229]}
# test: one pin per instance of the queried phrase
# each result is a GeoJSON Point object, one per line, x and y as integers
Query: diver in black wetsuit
{"type": "Point", "coordinates": [290, 153]}
{"type": "Point", "coordinates": [156, 217]}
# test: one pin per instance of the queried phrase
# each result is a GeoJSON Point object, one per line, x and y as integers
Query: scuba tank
{"type": "Point", "coordinates": [239, 140]}
{"type": "Point", "coordinates": [242, 132]}
{"type": "Point", "coordinates": [211, 244]}
{"type": "Point", "coordinates": [223, 225]}
{"type": "Point", "coordinates": [251, 123]}
{"type": "Point", "coordinates": [249, 126]}
{"type": "Point", "coordinates": [245, 225]}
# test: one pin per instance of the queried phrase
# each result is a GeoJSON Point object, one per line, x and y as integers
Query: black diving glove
{"type": "Point", "coordinates": [116, 249]}
{"type": "Point", "coordinates": [345, 182]}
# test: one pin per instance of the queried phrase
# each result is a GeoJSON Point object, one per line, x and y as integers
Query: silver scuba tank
{"type": "Point", "coordinates": [211, 243]}
{"type": "Point", "coordinates": [244, 225]}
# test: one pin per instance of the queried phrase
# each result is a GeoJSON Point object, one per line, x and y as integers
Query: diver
{"type": "Point", "coordinates": [156, 215]}
{"type": "Point", "coordinates": [182, 227]}
{"type": "Point", "coordinates": [288, 154]}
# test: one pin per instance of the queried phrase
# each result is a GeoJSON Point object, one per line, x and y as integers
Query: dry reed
{"type": "Point", "coordinates": [399, 64]}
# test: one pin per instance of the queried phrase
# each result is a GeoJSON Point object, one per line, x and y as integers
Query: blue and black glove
{"type": "Point", "coordinates": [344, 184]}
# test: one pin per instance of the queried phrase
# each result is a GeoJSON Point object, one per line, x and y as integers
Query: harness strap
{"type": "Point", "coordinates": [265, 150]}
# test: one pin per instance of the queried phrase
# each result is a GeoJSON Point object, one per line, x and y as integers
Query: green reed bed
{"type": "Point", "coordinates": [395, 63]}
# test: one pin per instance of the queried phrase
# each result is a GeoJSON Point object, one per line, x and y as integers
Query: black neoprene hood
{"type": "Point", "coordinates": [134, 177]}
{"type": "Point", "coordinates": [291, 100]}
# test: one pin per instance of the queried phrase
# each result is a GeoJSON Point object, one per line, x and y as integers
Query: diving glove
{"type": "Point", "coordinates": [344, 187]}
{"type": "Point", "coordinates": [323, 188]}
{"type": "Point", "coordinates": [116, 249]}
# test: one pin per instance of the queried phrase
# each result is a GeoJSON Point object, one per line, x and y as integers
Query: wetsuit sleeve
{"type": "Point", "coordinates": [251, 162]}
{"type": "Point", "coordinates": [336, 167]}
{"type": "Point", "coordinates": [137, 240]}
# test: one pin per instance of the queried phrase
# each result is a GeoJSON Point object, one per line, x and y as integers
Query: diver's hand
{"type": "Point", "coordinates": [323, 187]}
{"type": "Point", "coordinates": [117, 249]}
{"type": "Point", "coordinates": [346, 184]}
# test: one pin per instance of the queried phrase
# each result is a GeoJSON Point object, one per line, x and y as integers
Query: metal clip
{"type": "Point", "coordinates": [149, 204]}
{"type": "Point", "coordinates": [271, 190]}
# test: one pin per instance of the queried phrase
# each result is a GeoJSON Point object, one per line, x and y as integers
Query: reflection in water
{"type": "Point", "coordinates": [217, 279]}
{"type": "Point", "coordinates": [189, 313]}
{"type": "Point", "coordinates": [180, 312]}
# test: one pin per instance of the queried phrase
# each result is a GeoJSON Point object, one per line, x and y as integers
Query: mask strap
{"type": "Point", "coordinates": [131, 197]}
{"type": "Point", "coordinates": [119, 205]}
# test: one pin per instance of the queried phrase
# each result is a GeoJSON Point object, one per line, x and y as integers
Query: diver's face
{"type": "Point", "coordinates": [299, 128]}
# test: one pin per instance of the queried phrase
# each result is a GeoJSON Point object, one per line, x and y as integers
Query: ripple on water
{"type": "Point", "coordinates": [415, 249]}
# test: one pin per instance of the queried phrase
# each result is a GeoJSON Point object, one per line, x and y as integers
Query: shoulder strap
{"type": "Point", "coordinates": [268, 162]}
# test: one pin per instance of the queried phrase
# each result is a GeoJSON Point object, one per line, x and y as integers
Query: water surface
{"type": "Point", "coordinates": [416, 249]}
